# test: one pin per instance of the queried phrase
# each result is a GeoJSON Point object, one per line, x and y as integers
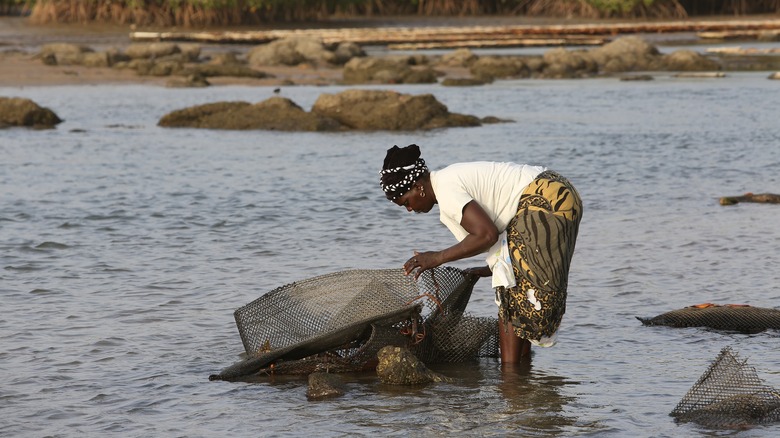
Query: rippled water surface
{"type": "Point", "coordinates": [125, 248]}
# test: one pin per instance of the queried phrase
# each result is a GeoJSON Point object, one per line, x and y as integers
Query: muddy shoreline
{"type": "Point", "coordinates": [20, 43]}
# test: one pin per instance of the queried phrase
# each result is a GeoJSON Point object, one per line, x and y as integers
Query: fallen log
{"type": "Point", "coordinates": [765, 198]}
{"type": "Point", "coordinates": [742, 51]}
{"type": "Point", "coordinates": [390, 35]}
{"type": "Point", "coordinates": [732, 34]}
{"type": "Point", "coordinates": [504, 42]}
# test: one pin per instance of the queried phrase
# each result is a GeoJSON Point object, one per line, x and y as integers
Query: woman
{"type": "Point", "coordinates": [525, 217]}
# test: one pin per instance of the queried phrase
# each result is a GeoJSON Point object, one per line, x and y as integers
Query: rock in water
{"type": "Point", "coordinates": [324, 385]}
{"type": "Point", "coordinates": [398, 366]}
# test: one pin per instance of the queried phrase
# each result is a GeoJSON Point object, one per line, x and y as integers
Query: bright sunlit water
{"type": "Point", "coordinates": [125, 248]}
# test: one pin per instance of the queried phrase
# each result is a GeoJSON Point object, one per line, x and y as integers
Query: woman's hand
{"type": "Point", "coordinates": [421, 262]}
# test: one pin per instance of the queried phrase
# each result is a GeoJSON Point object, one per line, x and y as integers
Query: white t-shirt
{"type": "Point", "coordinates": [495, 186]}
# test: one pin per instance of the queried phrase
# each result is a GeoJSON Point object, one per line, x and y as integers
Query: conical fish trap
{"type": "Point", "coordinates": [339, 322]}
{"type": "Point", "coordinates": [729, 395]}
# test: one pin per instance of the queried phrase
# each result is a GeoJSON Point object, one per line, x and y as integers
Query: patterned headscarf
{"type": "Point", "coordinates": [407, 167]}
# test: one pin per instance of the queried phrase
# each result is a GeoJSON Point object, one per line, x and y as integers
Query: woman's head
{"type": "Point", "coordinates": [402, 171]}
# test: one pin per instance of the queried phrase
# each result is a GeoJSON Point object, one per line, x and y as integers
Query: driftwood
{"type": "Point", "coordinates": [743, 51]}
{"type": "Point", "coordinates": [765, 198]}
{"type": "Point", "coordinates": [729, 34]}
{"type": "Point", "coordinates": [397, 35]}
{"type": "Point", "coordinates": [501, 42]}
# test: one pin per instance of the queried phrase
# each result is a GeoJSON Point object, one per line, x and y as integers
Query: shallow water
{"type": "Point", "coordinates": [125, 248]}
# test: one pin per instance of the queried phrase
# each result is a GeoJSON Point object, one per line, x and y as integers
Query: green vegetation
{"type": "Point", "coordinates": [235, 12]}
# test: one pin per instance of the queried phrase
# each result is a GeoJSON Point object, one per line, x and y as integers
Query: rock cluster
{"type": "Point", "coordinates": [187, 60]}
{"type": "Point", "coordinates": [362, 110]}
{"type": "Point", "coordinates": [626, 54]}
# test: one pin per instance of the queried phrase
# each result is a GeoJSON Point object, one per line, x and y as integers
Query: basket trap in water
{"type": "Point", "coordinates": [338, 322]}
{"type": "Point", "coordinates": [729, 395]}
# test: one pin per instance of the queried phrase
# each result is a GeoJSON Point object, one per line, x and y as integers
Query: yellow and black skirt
{"type": "Point", "coordinates": [541, 240]}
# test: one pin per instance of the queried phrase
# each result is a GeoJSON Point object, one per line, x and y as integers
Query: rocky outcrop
{"type": "Point", "coordinates": [398, 366]}
{"type": "Point", "coordinates": [360, 110]}
{"type": "Point", "coordinates": [567, 64]}
{"type": "Point", "coordinates": [625, 54]}
{"type": "Point", "coordinates": [302, 50]}
{"type": "Point", "coordinates": [499, 67]}
{"type": "Point", "coordinates": [387, 70]}
{"type": "Point", "coordinates": [274, 114]}
{"type": "Point", "coordinates": [389, 110]}
{"type": "Point", "coordinates": [152, 59]}
{"type": "Point", "coordinates": [18, 111]}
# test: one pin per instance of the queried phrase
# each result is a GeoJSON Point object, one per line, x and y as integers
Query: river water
{"type": "Point", "coordinates": [125, 248]}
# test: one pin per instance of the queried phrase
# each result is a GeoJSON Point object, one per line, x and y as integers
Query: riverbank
{"type": "Point", "coordinates": [20, 43]}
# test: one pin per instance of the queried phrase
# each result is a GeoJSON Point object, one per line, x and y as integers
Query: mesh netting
{"type": "Point", "coordinates": [729, 394]}
{"type": "Point", "coordinates": [340, 321]}
{"type": "Point", "coordinates": [740, 318]}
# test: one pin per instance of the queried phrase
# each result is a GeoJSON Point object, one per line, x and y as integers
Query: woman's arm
{"type": "Point", "coordinates": [482, 235]}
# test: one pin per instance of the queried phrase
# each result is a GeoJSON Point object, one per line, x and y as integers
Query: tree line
{"type": "Point", "coordinates": [240, 12]}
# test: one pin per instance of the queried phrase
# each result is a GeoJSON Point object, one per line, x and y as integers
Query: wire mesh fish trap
{"type": "Point", "coordinates": [729, 395]}
{"type": "Point", "coordinates": [732, 317]}
{"type": "Point", "coordinates": [340, 321]}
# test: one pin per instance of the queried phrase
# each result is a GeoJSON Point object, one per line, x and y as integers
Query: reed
{"type": "Point", "coordinates": [200, 13]}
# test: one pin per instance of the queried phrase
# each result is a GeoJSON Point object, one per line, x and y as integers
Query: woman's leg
{"type": "Point", "coordinates": [513, 348]}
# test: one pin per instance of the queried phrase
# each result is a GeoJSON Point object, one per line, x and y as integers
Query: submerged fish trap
{"type": "Point", "coordinates": [338, 322]}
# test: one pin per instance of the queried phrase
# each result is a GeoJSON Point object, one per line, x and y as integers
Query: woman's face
{"type": "Point", "coordinates": [412, 201]}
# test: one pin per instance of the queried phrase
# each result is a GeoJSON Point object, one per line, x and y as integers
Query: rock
{"type": "Point", "coordinates": [561, 63]}
{"type": "Point", "coordinates": [151, 50]}
{"type": "Point", "coordinates": [232, 70]}
{"type": "Point", "coordinates": [191, 81]}
{"type": "Point", "coordinates": [18, 111]}
{"type": "Point", "coordinates": [228, 58]}
{"type": "Point", "coordinates": [387, 70]}
{"type": "Point", "coordinates": [774, 76]}
{"type": "Point", "coordinates": [346, 51]}
{"type": "Point", "coordinates": [489, 67]}
{"type": "Point", "coordinates": [275, 113]}
{"type": "Point", "coordinates": [367, 110]}
{"type": "Point", "coordinates": [388, 110]}
{"type": "Point", "coordinates": [464, 82]}
{"type": "Point", "coordinates": [191, 52]}
{"type": "Point", "coordinates": [150, 67]}
{"type": "Point", "coordinates": [324, 385]}
{"type": "Point", "coordinates": [458, 58]}
{"type": "Point", "coordinates": [701, 75]}
{"type": "Point", "coordinates": [629, 53]}
{"type": "Point", "coordinates": [96, 59]}
{"type": "Point", "coordinates": [688, 60]}
{"type": "Point", "coordinates": [636, 78]}
{"type": "Point", "coordinates": [291, 51]}
{"type": "Point", "coordinates": [398, 366]}
{"type": "Point", "coordinates": [63, 53]}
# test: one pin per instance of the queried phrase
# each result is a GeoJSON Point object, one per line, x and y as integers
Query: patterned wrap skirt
{"type": "Point", "coordinates": [541, 239]}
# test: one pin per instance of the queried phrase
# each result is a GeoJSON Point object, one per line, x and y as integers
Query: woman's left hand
{"type": "Point", "coordinates": [421, 262]}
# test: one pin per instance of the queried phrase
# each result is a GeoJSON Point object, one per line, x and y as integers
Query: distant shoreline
{"type": "Point", "coordinates": [20, 42]}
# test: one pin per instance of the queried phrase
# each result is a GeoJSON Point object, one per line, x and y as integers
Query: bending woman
{"type": "Point", "coordinates": [524, 217]}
